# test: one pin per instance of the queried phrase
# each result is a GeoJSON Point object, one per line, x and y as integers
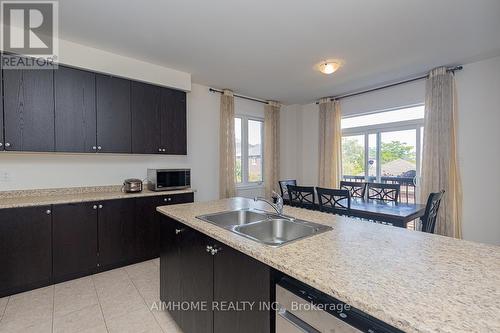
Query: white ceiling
{"type": "Point", "coordinates": [267, 49]}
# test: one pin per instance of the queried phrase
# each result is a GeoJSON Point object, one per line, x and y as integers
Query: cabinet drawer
{"type": "Point", "coordinates": [177, 198]}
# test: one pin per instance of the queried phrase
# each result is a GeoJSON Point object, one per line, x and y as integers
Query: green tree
{"type": "Point", "coordinates": [353, 154]}
{"type": "Point", "coordinates": [353, 159]}
{"type": "Point", "coordinates": [394, 150]}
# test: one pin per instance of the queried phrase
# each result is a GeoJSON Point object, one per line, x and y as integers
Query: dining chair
{"type": "Point", "coordinates": [384, 192]}
{"type": "Point", "coordinates": [284, 189]}
{"type": "Point", "coordinates": [302, 196]}
{"type": "Point", "coordinates": [431, 211]}
{"type": "Point", "coordinates": [334, 201]}
{"type": "Point", "coordinates": [356, 189]}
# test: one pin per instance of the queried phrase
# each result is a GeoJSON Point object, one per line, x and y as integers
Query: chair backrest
{"type": "Point", "coordinates": [382, 191]}
{"type": "Point", "coordinates": [334, 200]}
{"type": "Point", "coordinates": [356, 189]}
{"type": "Point", "coordinates": [431, 212]}
{"type": "Point", "coordinates": [302, 196]}
{"type": "Point", "coordinates": [284, 190]}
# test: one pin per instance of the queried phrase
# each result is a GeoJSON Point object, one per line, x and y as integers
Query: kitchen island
{"type": "Point", "coordinates": [410, 280]}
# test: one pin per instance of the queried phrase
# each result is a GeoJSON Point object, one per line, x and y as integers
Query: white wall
{"type": "Point", "coordinates": [105, 62]}
{"type": "Point", "coordinates": [478, 90]}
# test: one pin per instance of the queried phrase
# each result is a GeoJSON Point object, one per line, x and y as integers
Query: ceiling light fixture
{"type": "Point", "coordinates": [329, 67]}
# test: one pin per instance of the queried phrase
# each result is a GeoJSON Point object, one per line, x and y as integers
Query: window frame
{"type": "Point", "coordinates": [244, 151]}
{"type": "Point", "coordinates": [378, 129]}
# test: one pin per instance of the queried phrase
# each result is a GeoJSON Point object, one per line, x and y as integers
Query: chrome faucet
{"type": "Point", "coordinates": [278, 206]}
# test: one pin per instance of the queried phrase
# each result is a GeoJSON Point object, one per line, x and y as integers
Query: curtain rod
{"type": "Point", "coordinates": [449, 69]}
{"type": "Point", "coordinates": [239, 96]}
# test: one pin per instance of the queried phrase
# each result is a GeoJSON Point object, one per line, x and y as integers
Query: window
{"type": "Point", "coordinates": [249, 150]}
{"type": "Point", "coordinates": [384, 147]}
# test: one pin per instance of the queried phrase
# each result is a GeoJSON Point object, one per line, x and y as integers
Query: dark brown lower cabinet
{"type": "Point", "coordinates": [50, 244]}
{"type": "Point", "coordinates": [25, 249]}
{"type": "Point", "coordinates": [191, 273]}
{"type": "Point", "coordinates": [147, 227]}
{"type": "Point", "coordinates": [74, 240]}
{"type": "Point", "coordinates": [238, 277]}
{"type": "Point", "coordinates": [116, 233]}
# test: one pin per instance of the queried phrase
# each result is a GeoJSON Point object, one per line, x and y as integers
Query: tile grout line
{"type": "Point", "coordinates": [5, 308]}
{"type": "Point", "coordinates": [144, 300]}
{"type": "Point", "coordinates": [99, 302]}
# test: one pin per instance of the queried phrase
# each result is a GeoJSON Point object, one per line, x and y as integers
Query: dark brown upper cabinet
{"type": "Point", "coordinates": [28, 109]}
{"type": "Point", "coordinates": [158, 120]}
{"type": "Point", "coordinates": [113, 115]}
{"type": "Point", "coordinates": [75, 110]}
{"type": "Point", "coordinates": [174, 122]}
{"type": "Point", "coordinates": [146, 106]}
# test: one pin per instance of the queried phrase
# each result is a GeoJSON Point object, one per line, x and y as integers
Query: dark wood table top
{"type": "Point", "coordinates": [386, 211]}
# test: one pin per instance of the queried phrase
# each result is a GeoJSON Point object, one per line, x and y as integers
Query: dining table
{"type": "Point", "coordinates": [395, 213]}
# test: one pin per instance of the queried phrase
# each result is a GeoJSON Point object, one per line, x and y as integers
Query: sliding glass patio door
{"type": "Point", "coordinates": [386, 152]}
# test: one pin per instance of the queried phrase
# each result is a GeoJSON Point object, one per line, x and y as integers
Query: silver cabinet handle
{"type": "Point", "coordinates": [167, 199]}
{"type": "Point", "coordinates": [94, 207]}
{"type": "Point", "coordinates": [100, 206]}
{"type": "Point", "coordinates": [1, 144]}
{"type": "Point", "coordinates": [297, 322]}
{"type": "Point", "coordinates": [164, 150]}
{"type": "Point", "coordinates": [214, 251]}
{"type": "Point", "coordinates": [209, 248]}
{"type": "Point", "coordinates": [159, 149]}
{"type": "Point", "coordinates": [178, 231]}
{"type": "Point", "coordinates": [99, 147]}
{"type": "Point", "coordinates": [94, 148]}
{"type": "Point", "coordinates": [7, 144]}
{"type": "Point", "coordinates": [48, 212]}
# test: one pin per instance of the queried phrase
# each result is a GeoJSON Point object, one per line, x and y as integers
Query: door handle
{"type": "Point", "coordinates": [296, 321]}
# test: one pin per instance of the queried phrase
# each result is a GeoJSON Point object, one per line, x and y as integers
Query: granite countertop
{"type": "Point", "coordinates": [411, 280]}
{"type": "Point", "coordinates": [29, 198]}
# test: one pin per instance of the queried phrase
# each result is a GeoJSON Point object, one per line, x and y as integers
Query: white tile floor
{"type": "Point", "coordinates": [114, 301]}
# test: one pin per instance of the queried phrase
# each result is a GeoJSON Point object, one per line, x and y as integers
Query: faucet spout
{"type": "Point", "coordinates": [278, 206]}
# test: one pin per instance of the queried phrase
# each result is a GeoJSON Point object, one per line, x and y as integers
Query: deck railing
{"type": "Point", "coordinates": [407, 193]}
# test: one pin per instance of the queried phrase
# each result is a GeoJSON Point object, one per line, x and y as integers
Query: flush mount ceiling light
{"type": "Point", "coordinates": [329, 66]}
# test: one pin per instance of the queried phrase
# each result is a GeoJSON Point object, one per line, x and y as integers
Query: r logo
{"type": "Point", "coordinates": [29, 28]}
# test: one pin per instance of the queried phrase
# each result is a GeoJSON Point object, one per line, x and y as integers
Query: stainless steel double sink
{"type": "Point", "coordinates": [263, 227]}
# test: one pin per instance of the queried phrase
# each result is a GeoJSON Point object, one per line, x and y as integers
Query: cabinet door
{"type": "Point", "coordinates": [147, 221]}
{"type": "Point", "coordinates": [116, 233]}
{"type": "Point", "coordinates": [171, 265]}
{"type": "Point", "coordinates": [75, 110]}
{"type": "Point", "coordinates": [29, 109]}
{"type": "Point", "coordinates": [25, 248]}
{"type": "Point", "coordinates": [196, 281]}
{"type": "Point", "coordinates": [174, 122]}
{"type": "Point", "coordinates": [113, 114]}
{"type": "Point", "coordinates": [239, 278]}
{"type": "Point", "coordinates": [74, 240]}
{"type": "Point", "coordinates": [146, 129]}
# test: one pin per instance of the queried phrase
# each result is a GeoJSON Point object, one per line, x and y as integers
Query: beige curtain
{"type": "Point", "coordinates": [439, 162]}
{"type": "Point", "coordinates": [227, 152]}
{"type": "Point", "coordinates": [330, 139]}
{"type": "Point", "coordinates": [271, 147]}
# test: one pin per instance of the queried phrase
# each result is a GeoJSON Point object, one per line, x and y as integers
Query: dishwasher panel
{"type": "Point", "coordinates": [303, 309]}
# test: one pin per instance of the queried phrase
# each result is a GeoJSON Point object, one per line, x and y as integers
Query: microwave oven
{"type": "Point", "coordinates": [169, 179]}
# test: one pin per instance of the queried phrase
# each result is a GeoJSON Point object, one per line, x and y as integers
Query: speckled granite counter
{"type": "Point", "coordinates": [28, 198]}
{"type": "Point", "coordinates": [414, 281]}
